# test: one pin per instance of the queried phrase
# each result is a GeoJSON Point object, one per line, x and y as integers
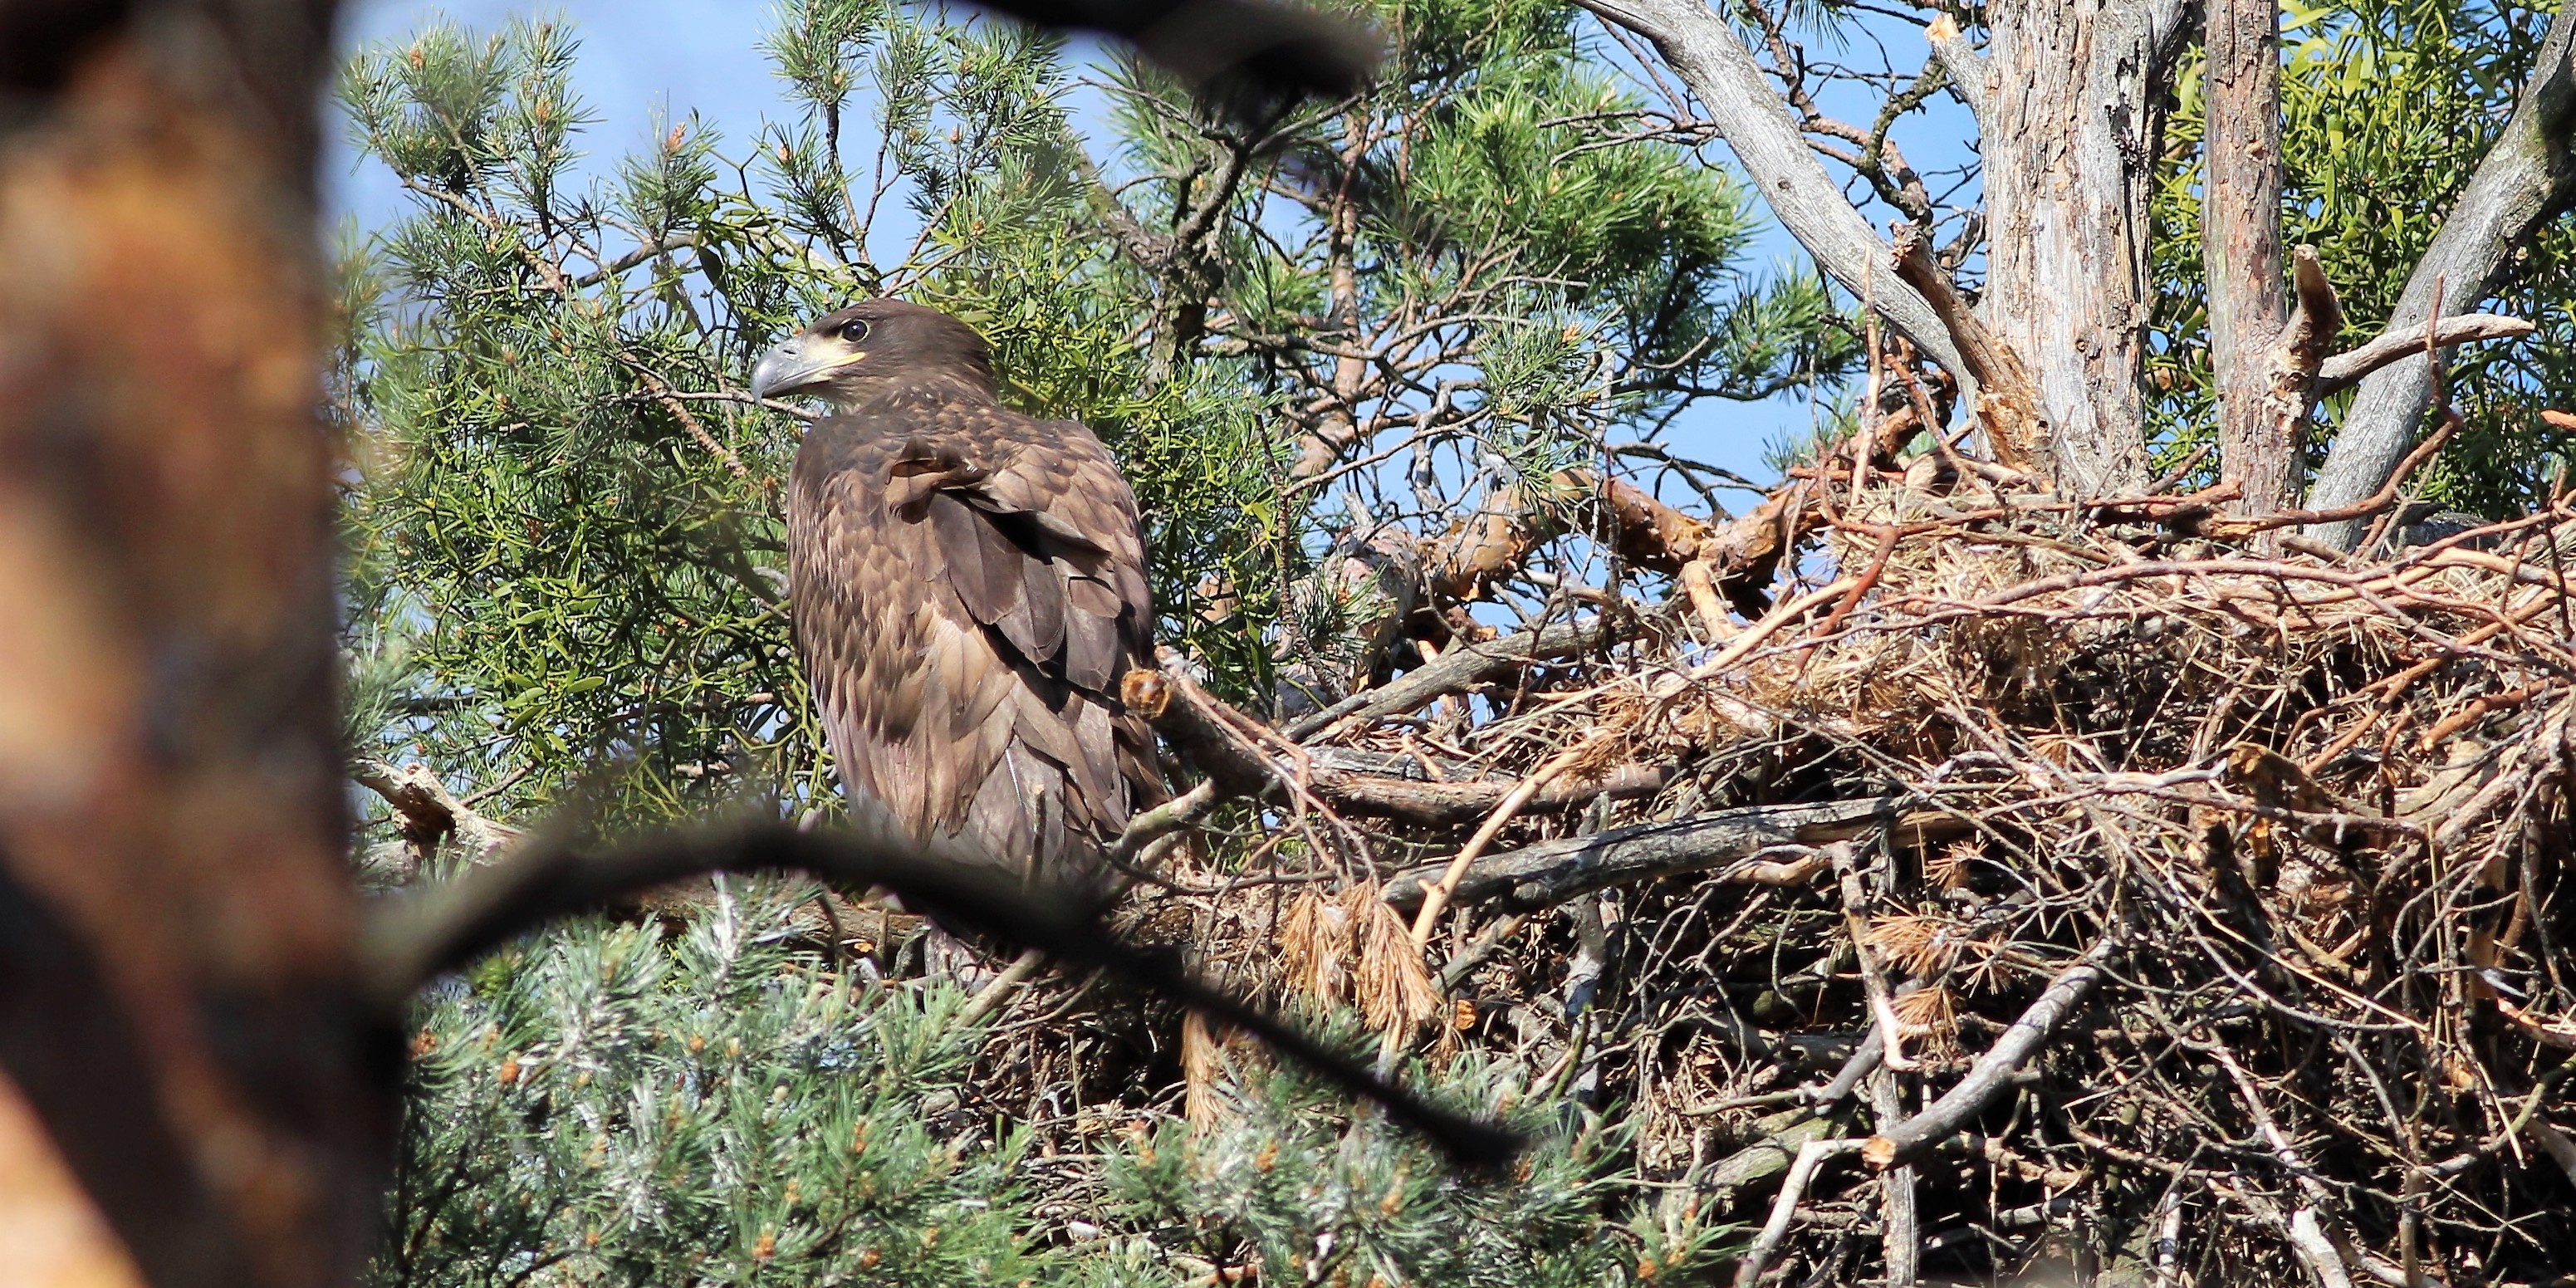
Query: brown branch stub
{"type": "Point", "coordinates": [428, 815]}
{"type": "Point", "coordinates": [1201, 727]}
{"type": "Point", "coordinates": [2007, 401]}
{"type": "Point", "coordinates": [2264, 411]}
{"type": "Point", "coordinates": [2316, 314]}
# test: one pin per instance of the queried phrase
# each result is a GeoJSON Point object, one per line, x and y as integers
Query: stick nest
{"type": "Point", "coordinates": [2308, 813]}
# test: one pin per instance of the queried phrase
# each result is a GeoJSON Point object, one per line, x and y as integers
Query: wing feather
{"type": "Point", "coordinates": [968, 588]}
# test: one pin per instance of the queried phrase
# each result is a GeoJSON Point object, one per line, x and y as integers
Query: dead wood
{"type": "Point", "coordinates": [1552, 872]}
{"type": "Point", "coordinates": [2094, 773]}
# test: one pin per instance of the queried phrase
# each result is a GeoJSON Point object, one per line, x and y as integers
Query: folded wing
{"type": "Point", "coordinates": [968, 592]}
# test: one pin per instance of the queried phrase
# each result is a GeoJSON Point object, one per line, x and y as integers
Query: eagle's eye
{"type": "Point", "coordinates": [855, 331]}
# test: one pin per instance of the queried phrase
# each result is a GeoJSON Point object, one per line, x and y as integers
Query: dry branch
{"type": "Point", "coordinates": [2344, 370]}
{"type": "Point", "coordinates": [2007, 403]}
{"type": "Point", "coordinates": [1986, 1079]}
{"type": "Point", "coordinates": [1458, 670]}
{"type": "Point", "coordinates": [1784, 1210]}
{"type": "Point", "coordinates": [1435, 804]}
{"type": "Point", "coordinates": [1228, 746]}
{"type": "Point", "coordinates": [1552, 872]}
{"type": "Point", "coordinates": [428, 815]}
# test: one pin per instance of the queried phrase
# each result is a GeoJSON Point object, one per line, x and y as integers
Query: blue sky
{"type": "Point", "coordinates": [643, 59]}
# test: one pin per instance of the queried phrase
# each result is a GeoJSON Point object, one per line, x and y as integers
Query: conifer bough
{"type": "Point", "coordinates": [444, 929]}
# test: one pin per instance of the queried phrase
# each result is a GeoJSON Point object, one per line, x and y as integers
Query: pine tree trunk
{"type": "Point", "coordinates": [2241, 254]}
{"type": "Point", "coordinates": [2069, 147]}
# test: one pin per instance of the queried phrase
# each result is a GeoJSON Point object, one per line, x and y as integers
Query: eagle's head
{"type": "Point", "coordinates": [853, 356]}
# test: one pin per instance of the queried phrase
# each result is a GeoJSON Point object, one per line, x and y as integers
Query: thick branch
{"type": "Point", "coordinates": [1460, 669]}
{"type": "Point", "coordinates": [2069, 160]}
{"type": "Point", "coordinates": [1211, 733]}
{"type": "Point", "coordinates": [1644, 531]}
{"type": "Point", "coordinates": [428, 814]}
{"type": "Point", "coordinates": [2007, 404]}
{"type": "Point", "coordinates": [1440, 804]}
{"type": "Point", "coordinates": [1784, 1209]}
{"type": "Point", "coordinates": [1710, 58]}
{"type": "Point", "coordinates": [2527, 179]}
{"type": "Point", "coordinates": [1968, 69]}
{"type": "Point", "coordinates": [2345, 370]}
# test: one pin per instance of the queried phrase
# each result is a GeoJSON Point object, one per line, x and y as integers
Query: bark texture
{"type": "Point", "coordinates": [177, 1005]}
{"type": "Point", "coordinates": [2527, 178]}
{"type": "Point", "coordinates": [2240, 222]}
{"type": "Point", "coordinates": [2070, 145]}
{"type": "Point", "coordinates": [1748, 112]}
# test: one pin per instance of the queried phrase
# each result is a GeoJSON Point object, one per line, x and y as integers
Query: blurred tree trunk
{"type": "Point", "coordinates": [176, 998]}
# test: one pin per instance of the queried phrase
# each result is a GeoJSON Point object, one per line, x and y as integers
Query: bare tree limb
{"type": "Point", "coordinates": [1968, 68]}
{"type": "Point", "coordinates": [1784, 1209]}
{"type": "Point", "coordinates": [1551, 872]}
{"type": "Point", "coordinates": [1460, 668]}
{"type": "Point", "coordinates": [1210, 733]}
{"type": "Point", "coordinates": [2526, 179]}
{"type": "Point", "coordinates": [1710, 58]}
{"type": "Point", "coordinates": [2307, 1234]}
{"type": "Point", "coordinates": [427, 813]}
{"type": "Point", "coordinates": [1901, 1230]}
{"type": "Point", "coordinates": [2345, 370]}
{"type": "Point", "coordinates": [2008, 403]}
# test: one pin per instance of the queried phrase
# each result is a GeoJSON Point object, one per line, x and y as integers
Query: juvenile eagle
{"type": "Point", "coordinates": [968, 588]}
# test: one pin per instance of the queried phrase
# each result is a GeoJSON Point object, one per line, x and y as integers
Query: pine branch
{"type": "Point", "coordinates": [441, 930]}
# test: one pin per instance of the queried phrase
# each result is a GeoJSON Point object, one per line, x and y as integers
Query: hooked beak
{"type": "Point", "coordinates": [790, 367]}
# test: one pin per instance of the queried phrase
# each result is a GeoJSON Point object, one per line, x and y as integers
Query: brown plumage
{"type": "Point", "coordinates": [968, 587]}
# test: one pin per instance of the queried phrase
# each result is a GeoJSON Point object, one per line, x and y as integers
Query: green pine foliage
{"type": "Point", "coordinates": [610, 1105]}
{"type": "Point", "coordinates": [2388, 105]}
{"type": "Point", "coordinates": [1313, 1197]}
{"type": "Point", "coordinates": [604, 1106]}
